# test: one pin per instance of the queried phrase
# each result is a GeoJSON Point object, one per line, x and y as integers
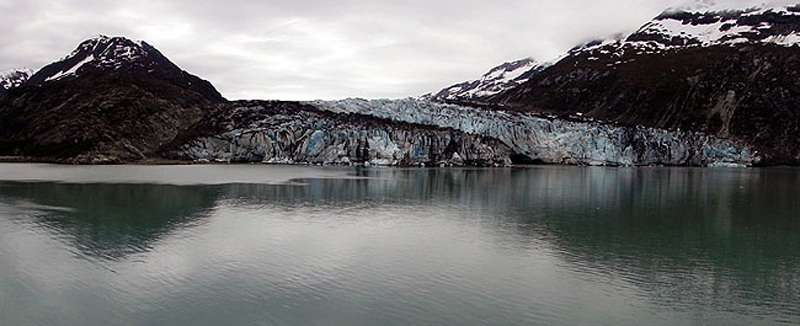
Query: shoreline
{"type": "Point", "coordinates": [168, 162]}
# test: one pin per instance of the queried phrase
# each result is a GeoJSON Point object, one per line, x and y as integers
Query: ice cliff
{"type": "Point", "coordinates": [417, 132]}
{"type": "Point", "coordinates": [291, 133]}
{"type": "Point", "coordinates": [549, 139]}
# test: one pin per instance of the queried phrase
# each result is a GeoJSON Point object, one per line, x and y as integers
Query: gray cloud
{"type": "Point", "coordinates": [315, 49]}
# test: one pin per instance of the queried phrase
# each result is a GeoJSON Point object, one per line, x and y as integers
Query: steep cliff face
{"type": "Point", "coordinates": [289, 132]}
{"type": "Point", "coordinates": [111, 100]}
{"type": "Point", "coordinates": [732, 74]}
{"type": "Point", "coordinates": [540, 138]}
{"type": "Point", "coordinates": [416, 132]}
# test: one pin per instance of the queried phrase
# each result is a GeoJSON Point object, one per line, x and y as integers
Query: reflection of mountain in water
{"type": "Point", "coordinates": [684, 237]}
{"type": "Point", "coordinates": [678, 236]}
{"type": "Point", "coordinates": [109, 221]}
{"type": "Point", "coordinates": [688, 237]}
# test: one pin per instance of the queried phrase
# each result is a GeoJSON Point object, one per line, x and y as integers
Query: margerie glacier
{"type": "Point", "coordinates": [113, 100]}
{"type": "Point", "coordinates": [418, 132]}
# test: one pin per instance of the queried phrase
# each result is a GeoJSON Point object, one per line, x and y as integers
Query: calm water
{"type": "Point", "coordinates": [261, 245]}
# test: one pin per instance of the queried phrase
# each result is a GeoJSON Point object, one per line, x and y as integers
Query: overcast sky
{"type": "Point", "coordinates": [316, 49]}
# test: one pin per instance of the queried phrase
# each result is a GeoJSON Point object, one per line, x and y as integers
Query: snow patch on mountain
{"type": "Point", "coordinates": [498, 79]}
{"type": "Point", "coordinates": [676, 30]}
{"type": "Point", "coordinates": [722, 27]}
{"type": "Point", "coordinates": [14, 78]}
{"type": "Point", "coordinates": [730, 5]}
{"type": "Point", "coordinates": [595, 44]}
{"type": "Point", "coordinates": [72, 70]}
{"type": "Point", "coordinates": [101, 52]}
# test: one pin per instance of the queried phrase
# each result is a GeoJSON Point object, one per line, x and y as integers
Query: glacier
{"type": "Point", "coordinates": [541, 138]}
{"type": "Point", "coordinates": [291, 133]}
{"type": "Point", "coordinates": [413, 132]}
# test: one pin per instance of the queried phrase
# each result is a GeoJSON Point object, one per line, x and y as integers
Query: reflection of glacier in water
{"type": "Point", "coordinates": [547, 245]}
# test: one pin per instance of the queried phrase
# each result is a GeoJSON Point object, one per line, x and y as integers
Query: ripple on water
{"type": "Point", "coordinates": [551, 246]}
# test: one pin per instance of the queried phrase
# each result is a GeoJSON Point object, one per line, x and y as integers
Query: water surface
{"type": "Point", "coordinates": [271, 245]}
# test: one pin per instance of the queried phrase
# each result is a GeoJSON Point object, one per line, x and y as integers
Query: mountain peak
{"type": "Point", "coordinates": [105, 56]}
{"type": "Point", "coordinates": [598, 42]}
{"type": "Point", "coordinates": [498, 79]}
{"type": "Point", "coordinates": [14, 77]}
{"type": "Point", "coordinates": [514, 65]}
{"type": "Point", "coordinates": [699, 24]}
{"type": "Point", "coordinates": [102, 53]}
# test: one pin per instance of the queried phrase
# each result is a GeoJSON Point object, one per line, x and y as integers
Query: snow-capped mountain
{"type": "Point", "coordinates": [703, 24]}
{"type": "Point", "coordinates": [498, 79]}
{"type": "Point", "coordinates": [110, 100]}
{"type": "Point", "coordinates": [728, 5]}
{"type": "Point", "coordinates": [681, 29]}
{"type": "Point", "coordinates": [731, 73]}
{"type": "Point", "coordinates": [101, 53]}
{"type": "Point", "coordinates": [119, 56]}
{"type": "Point", "coordinates": [706, 25]}
{"type": "Point", "coordinates": [14, 77]}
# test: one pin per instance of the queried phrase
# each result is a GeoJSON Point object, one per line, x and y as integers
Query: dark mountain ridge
{"type": "Point", "coordinates": [111, 100]}
{"type": "Point", "coordinates": [122, 57]}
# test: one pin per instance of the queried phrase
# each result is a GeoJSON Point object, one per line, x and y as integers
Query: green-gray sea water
{"type": "Point", "coordinates": [277, 245]}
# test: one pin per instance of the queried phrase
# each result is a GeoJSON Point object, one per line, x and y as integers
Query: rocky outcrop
{"type": "Point", "coordinates": [292, 133]}
{"type": "Point", "coordinates": [540, 138]}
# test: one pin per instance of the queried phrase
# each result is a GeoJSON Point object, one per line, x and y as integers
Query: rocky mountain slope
{"type": "Point", "coordinates": [111, 100]}
{"type": "Point", "coordinates": [732, 74]}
